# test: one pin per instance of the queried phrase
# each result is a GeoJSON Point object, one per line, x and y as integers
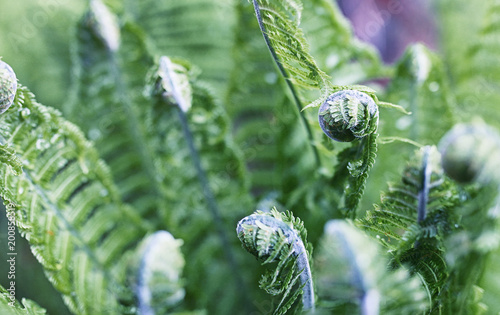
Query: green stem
{"type": "Point", "coordinates": [283, 72]}
{"type": "Point", "coordinates": [211, 201]}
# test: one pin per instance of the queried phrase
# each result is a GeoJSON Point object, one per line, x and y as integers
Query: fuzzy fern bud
{"type": "Point", "coordinates": [470, 153]}
{"type": "Point", "coordinates": [8, 86]}
{"type": "Point", "coordinates": [279, 237]}
{"type": "Point", "coordinates": [105, 24]}
{"type": "Point", "coordinates": [348, 115]}
{"type": "Point", "coordinates": [159, 285]}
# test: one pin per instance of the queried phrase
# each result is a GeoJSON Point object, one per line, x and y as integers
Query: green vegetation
{"type": "Point", "coordinates": [169, 141]}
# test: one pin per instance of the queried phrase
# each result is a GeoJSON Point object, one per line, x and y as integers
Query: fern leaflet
{"type": "Point", "coordinates": [279, 237]}
{"type": "Point", "coordinates": [67, 207]}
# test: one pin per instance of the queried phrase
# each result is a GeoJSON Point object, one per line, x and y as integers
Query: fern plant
{"type": "Point", "coordinates": [184, 120]}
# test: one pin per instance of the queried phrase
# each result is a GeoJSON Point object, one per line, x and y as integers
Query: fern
{"type": "Point", "coordinates": [197, 30]}
{"type": "Point", "coordinates": [360, 283]}
{"type": "Point", "coordinates": [9, 307]}
{"type": "Point", "coordinates": [161, 88]}
{"type": "Point", "coordinates": [158, 284]}
{"type": "Point", "coordinates": [334, 46]}
{"type": "Point", "coordinates": [415, 217]}
{"type": "Point", "coordinates": [279, 22]}
{"type": "Point", "coordinates": [66, 191]}
{"type": "Point", "coordinates": [102, 107]}
{"type": "Point", "coordinates": [473, 65]}
{"type": "Point", "coordinates": [421, 85]}
{"type": "Point", "coordinates": [276, 236]}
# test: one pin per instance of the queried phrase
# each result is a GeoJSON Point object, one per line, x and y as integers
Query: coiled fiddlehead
{"type": "Point", "coordinates": [159, 286]}
{"type": "Point", "coordinates": [279, 237]}
{"type": "Point", "coordinates": [471, 152]}
{"type": "Point", "coordinates": [348, 115]}
{"type": "Point", "coordinates": [8, 86]}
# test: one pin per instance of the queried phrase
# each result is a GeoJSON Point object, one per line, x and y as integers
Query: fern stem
{"type": "Point", "coordinates": [305, 277]}
{"type": "Point", "coordinates": [423, 193]}
{"type": "Point", "coordinates": [255, 221]}
{"type": "Point", "coordinates": [211, 201]}
{"type": "Point", "coordinates": [133, 126]}
{"type": "Point", "coordinates": [283, 72]}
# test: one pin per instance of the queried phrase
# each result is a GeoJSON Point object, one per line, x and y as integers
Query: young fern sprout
{"type": "Point", "coordinates": [352, 276]}
{"type": "Point", "coordinates": [8, 86]}
{"type": "Point", "coordinates": [348, 115]}
{"type": "Point", "coordinates": [159, 286]}
{"type": "Point", "coordinates": [471, 152]}
{"type": "Point", "coordinates": [279, 237]}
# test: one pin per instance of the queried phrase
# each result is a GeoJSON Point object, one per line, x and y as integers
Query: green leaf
{"type": "Point", "coordinates": [352, 276]}
{"type": "Point", "coordinates": [200, 31]}
{"type": "Point", "coordinates": [421, 86]}
{"type": "Point", "coordinates": [67, 207]}
{"type": "Point", "coordinates": [280, 237]}
{"type": "Point", "coordinates": [13, 307]}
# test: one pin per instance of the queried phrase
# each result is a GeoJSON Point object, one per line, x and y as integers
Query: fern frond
{"type": "Point", "coordinates": [109, 84]}
{"type": "Point", "coordinates": [9, 306]}
{"type": "Point", "coordinates": [200, 31]}
{"type": "Point", "coordinates": [77, 240]}
{"type": "Point", "coordinates": [281, 237]}
{"type": "Point", "coordinates": [474, 150]}
{"type": "Point", "coordinates": [421, 85]}
{"type": "Point", "coordinates": [473, 62]}
{"type": "Point", "coordinates": [205, 161]}
{"type": "Point", "coordinates": [352, 277]}
{"type": "Point", "coordinates": [334, 46]}
{"type": "Point", "coordinates": [158, 284]}
{"type": "Point", "coordinates": [279, 23]}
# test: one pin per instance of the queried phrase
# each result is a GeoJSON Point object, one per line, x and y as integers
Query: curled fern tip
{"type": "Point", "coordinates": [8, 86]}
{"type": "Point", "coordinates": [348, 115]}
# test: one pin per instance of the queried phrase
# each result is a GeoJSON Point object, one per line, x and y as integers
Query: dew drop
{"type": "Point", "coordinates": [20, 191]}
{"type": "Point", "coordinates": [104, 192]}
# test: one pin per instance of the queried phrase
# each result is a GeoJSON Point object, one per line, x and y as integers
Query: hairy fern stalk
{"type": "Point", "coordinates": [174, 122]}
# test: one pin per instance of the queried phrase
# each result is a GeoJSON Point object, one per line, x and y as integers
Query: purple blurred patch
{"type": "Point", "coordinates": [391, 25]}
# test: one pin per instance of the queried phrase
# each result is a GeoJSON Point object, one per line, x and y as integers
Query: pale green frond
{"type": "Point", "coordinates": [352, 276]}
{"type": "Point", "coordinates": [10, 306]}
{"type": "Point", "coordinates": [77, 251]}
{"type": "Point", "coordinates": [263, 234]}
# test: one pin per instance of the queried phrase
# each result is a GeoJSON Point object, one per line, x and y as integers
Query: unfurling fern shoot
{"type": "Point", "coordinates": [279, 237]}
{"type": "Point", "coordinates": [348, 115]}
{"type": "Point", "coordinates": [8, 86]}
{"type": "Point", "coordinates": [471, 152]}
{"type": "Point", "coordinates": [159, 286]}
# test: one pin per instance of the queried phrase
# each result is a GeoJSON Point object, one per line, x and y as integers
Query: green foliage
{"type": "Point", "coordinates": [9, 307]}
{"type": "Point", "coordinates": [157, 271]}
{"type": "Point", "coordinates": [193, 114]}
{"type": "Point", "coordinates": [67, 206]}
{"type": "Point", "coordinates": [353, 277]}
{"type": "Point", "coordinates": [280, 237]}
